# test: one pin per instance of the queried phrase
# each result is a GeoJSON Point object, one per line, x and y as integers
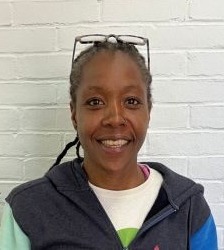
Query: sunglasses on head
{"type": "Point", "coordinates": [99, 38]}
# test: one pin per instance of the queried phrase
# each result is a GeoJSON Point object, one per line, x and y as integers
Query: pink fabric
{"type": "Point", "coordinates": [145, 169]}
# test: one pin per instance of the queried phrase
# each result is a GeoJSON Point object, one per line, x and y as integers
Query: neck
{"type": "Point", "coordinates": [122, 179]}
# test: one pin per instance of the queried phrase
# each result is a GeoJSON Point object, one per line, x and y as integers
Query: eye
{"type": "Point", "coordinates": [133, 102]}
{"type": "Point", "coordinates": [95, 102]}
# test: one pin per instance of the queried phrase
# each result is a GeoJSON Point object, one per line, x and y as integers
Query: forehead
{"type": "Point", "coordinates": [112, 65]}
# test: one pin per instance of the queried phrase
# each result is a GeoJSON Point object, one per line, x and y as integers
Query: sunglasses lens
{"type": "Point", "coordinates": [92, 38]}
{"type": "Point", "coordinates": [132, 40]}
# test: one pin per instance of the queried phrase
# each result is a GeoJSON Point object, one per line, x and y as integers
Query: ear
{"type": "Point", "coordinates": [73, 114]}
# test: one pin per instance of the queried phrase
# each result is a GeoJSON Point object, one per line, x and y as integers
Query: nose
{"type": "Point", "coordinates": [114, 115]}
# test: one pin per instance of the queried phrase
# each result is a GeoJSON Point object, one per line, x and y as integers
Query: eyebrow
{"type": "Point", "coordinates": [94, 87]}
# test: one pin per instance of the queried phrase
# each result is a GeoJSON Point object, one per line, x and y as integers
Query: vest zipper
{"type": "Point", "coordinates": [170, 210]}
{"type": "Point", "coordinates": [167, 212]}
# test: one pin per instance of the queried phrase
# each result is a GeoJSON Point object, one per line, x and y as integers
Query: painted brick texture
{"type": "Point", "coordinates": [187, 62]}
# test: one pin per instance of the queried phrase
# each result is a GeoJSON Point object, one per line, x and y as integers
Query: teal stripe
{"type": "Point", "coordinates": [11, 236]}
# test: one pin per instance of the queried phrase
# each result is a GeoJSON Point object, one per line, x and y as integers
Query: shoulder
{"type": "Point", "coordinates": [66, 175]}
{"type": "Point", "coordinates": [27, 189]}
{"type": "Point", "coordinates": [185, 195]}
{"type": "Point", "coordinates": [178, 188]}
{"type": "Point", "coordinates": [33, 188]}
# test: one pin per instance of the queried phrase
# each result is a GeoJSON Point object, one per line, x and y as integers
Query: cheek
{"type": "Point", "coordinates": [142, 130]}
{"type": "Point", "coordinates": [142, 126]}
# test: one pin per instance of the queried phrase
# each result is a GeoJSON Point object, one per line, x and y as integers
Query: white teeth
{"type": "Point", "coordinates": [114, 143]}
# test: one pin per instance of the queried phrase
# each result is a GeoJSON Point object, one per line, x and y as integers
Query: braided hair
{"type": "Point", "coordinates": [77, 70]}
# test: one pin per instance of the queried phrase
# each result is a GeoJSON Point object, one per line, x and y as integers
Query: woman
{"type": "Point", "coordinates": [107, 200]}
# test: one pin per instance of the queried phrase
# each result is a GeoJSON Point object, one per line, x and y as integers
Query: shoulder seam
{"type": "Point", "coordinates": [18, 190]}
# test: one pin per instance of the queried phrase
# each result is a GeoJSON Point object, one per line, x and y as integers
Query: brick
{"type": "Point", "coordinates": [63, 96]}
{"type": "Point", "coordinates": [9, 120]}
{"type": "Point", "coordinates": [183, 144]}
{"type": "Point", "coordinates": [46, 119]}
{"type": "Point", "coordinates": [186, 36]}
{"type": "Point", "coordinates": [214, 191]}
{"type": "Point", "coordinates": [37, 167]}
{"type": "Point", "coordinates": [206, 63]}
{"type": "Point", "coordinates": [220, 235]}
{"type": "Point", "coordinates": [209, 168]}
{"type": "Point", "coordinates": [27, 40]}
{"type": "Point", "coordinates": [5, 14]}
{"type": "Point", "coordinates": [8, 68]}
{"type": "Point", "coordinates": [207, 117]}
{"type": "Point", "coordinates": [30, 144]}
{"type": "Point", "coordinates": [113, 10]}
{"type": "Point", "coordinates": [63, 119]}
{"type": "Point", "coordinates": [187, 91]}
{"type": "Point", "coordinates": [63, 12]}
{"type": "Point", "coordinates": [217, 210]}
{"type": "Point", "coordinates": [6, 188]}
{"type": "Point", "coordinates": [11, 168]}
{"type": "Point", "coordinates": [44, 66]}
{"type": "Point", "coordinates": [168, 64]}
{"type": "Point", "coordinates": [27, 93]}
{"type": "Point", "coordinates": [207, 10]}
{"type": "Point", "coordinates": [38, 119]}
{"type": "Point", "coordinates": [167, 117]}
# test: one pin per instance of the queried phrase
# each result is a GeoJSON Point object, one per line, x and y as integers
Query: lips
{"type": "Point", "coordinates": [114, 143]}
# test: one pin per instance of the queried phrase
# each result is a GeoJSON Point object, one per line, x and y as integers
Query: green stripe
{"type": "Point", "coordinates": [127, 235]}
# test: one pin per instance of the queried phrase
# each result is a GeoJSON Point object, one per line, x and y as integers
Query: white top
{"type": "Point", "coordinates": [127, 209]}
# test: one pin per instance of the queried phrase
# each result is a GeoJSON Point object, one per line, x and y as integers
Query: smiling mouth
{"type": "Point", "coordinates": [114, 143]}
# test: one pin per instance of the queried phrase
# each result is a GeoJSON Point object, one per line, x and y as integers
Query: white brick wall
{"type": "Point", "coordinates": [6, 15]}
{"type": "Point", "coordinates": [56, 12]}
{"type": "Point", "coordinates": [208, 10]}
{"type": "Point", "coordinates": [21, 40]}
{"type": "Point", "coordinates": [187, 60]}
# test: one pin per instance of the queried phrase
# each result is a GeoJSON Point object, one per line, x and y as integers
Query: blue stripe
{"type": "Point", "coordinates": [205, 238]}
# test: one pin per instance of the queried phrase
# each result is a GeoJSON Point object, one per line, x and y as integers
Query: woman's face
{"type": "Point", "coordinates": [111, 112]}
